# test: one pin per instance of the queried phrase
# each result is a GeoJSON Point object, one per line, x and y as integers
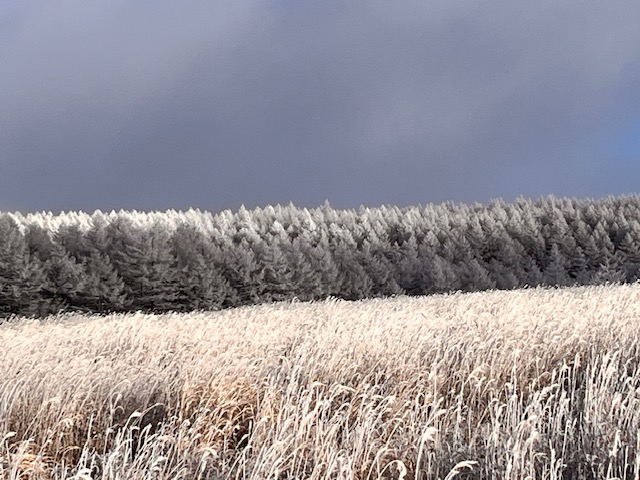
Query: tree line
{"type": "Point", "coordinates": [183, 261]}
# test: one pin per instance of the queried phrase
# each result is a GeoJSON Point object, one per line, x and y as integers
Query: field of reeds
{"type": "Point", "coordinates": [540, 383]}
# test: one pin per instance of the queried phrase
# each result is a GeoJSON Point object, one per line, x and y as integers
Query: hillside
{"type": "Point", "coordinates": [537, 383]}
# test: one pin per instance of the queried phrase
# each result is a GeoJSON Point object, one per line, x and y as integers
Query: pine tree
{"type": "Point", "coordinates": [200, 285]}
{"type": "Point", "coordinates": [441, 275]}
{"type": "Point", "coordinates": [51, 278]}
{"type": "Point", "coordinates": [380, 271]}
{"type": "Point", "coordinates": [610, 271]}
{"type": "Point", "coordinates": [277, 275]}
{"type": "Point", "coordinates": [238, 264]}
{"type": "Point", "coordinates": [142, 257]}
{"type": "Point", "coordinates": [39, 242]}
{"type": "Point", "coordinates": [630, 253]}
{"type": "Point", "coordinates": [354, 281]}
{"type": "Point", "coordinates": [555, 272]}
{"type": "Point", "coordinates": [64, 280]}
{"type": "Point", "coordinates": [103, 290]}
{"type": "Point", "coordinates": [325, 270]}
{"type": "Point", "coordinates": [74, 241]}
{"type": "Point", "coordinates": [306, 277]}
{"type": "Point", "coordinates": [504, 259]}
{"type": "Point", "coordinates": [21, 276]}
{"type": "Point", "coordinates": [409, 268]}
{"type": "Point", "coordinates": [578, 268]}
{"type": "Point", "coordinates": [12, 259]}
{"type": "Point", "coordinates": [474, 277]}
{"type": "Point", "coordinates": [531, 274]}
{"type": "Point", "coordinates": [502, 275]}
{"type": "Point", "coordinates": [594, 256]}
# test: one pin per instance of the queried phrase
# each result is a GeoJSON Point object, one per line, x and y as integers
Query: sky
{"type": "Point", "coordinates": [159, 104]}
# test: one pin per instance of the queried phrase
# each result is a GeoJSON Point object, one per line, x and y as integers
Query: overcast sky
{"type": "Point", "coordinates": [157, 104]}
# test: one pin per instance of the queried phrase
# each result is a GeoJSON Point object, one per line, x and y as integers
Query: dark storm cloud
{"type": "Point", "coordinates": [156, 105]}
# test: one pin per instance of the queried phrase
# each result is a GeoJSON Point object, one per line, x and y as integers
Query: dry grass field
{"type": "Point", "coordinates": [541, 384]}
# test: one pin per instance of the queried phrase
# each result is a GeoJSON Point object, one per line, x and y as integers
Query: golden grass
{"type": "Point", "coordinates": [538, 383]}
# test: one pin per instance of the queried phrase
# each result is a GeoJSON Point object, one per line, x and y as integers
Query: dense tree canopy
{"type": "Point", "coordinates": [197, 260]}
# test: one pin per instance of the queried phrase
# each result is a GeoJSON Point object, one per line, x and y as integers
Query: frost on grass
{"type": "Point", "coordinates": [531, 383]}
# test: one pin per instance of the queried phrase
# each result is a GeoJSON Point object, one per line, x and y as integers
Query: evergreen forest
{"type": "Point", "coordinates": [184, 261]}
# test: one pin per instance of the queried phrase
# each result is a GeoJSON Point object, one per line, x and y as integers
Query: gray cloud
{"type": "Point", "coordinates": [156, 105]}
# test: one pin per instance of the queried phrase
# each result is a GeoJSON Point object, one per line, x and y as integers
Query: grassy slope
{"type": "Point", "coordinates": [539, 383]}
